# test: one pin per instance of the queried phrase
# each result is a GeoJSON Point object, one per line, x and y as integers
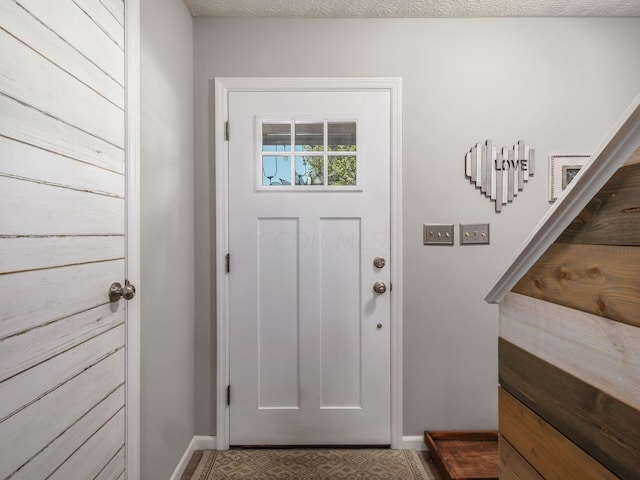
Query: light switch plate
{"type": "Point", "coordinates": [438, 234]}
{"type": "Point", "coordinates": [474, 234]}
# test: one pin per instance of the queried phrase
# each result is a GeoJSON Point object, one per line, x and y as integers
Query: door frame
{"type": "Point", "coordinates": [220, 88]}
{"type": "Point", "coordinates": [132, 268]}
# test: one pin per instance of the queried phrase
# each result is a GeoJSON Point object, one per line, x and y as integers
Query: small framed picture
{"type": "Point", "coordinates": [563, 169]}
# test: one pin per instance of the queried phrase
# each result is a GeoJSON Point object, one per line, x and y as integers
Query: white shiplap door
{"type": "Point", "coordinates": [62, 239]}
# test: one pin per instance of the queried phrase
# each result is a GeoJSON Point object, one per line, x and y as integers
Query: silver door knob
{"type": "Point", "coordinates": [379, 287]}
{"type": "Point", "coordinates": [379, 262]}
{"type": "Point", "coordinates": [117, 291]}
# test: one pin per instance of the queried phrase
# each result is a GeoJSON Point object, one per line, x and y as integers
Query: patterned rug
{"type": "Point", "coordinates": [313, 464]}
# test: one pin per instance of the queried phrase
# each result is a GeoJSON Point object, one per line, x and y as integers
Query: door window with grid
{"type": "Point", "coordinates": [308, 154]}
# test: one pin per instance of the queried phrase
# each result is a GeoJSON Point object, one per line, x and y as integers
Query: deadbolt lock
{"type": "Point", "coordinates": [379, 262]}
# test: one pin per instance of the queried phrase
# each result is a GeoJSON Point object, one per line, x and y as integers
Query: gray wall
{"type": "Point", "coordinates": [167, 230]}
{"type": "Point", "coordinates": [559, 84]}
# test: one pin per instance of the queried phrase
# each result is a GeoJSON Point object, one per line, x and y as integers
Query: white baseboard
{"type": "Point", "coordinates": [413, 442]}
{"type": "Point", "coordinates": [202, 442]}
{"type": "Point", "coordinates": [198, 442]}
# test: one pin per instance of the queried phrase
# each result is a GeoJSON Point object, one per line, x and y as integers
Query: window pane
{"type": "Point", "coordinates": [341, 170]}
{"type": "Point", "coordinates": [309, 170]}
{"type": "Point", "coordinates": [276, 170]}
{"type": "Point", "coordinates": [309, 137]}
{"type": "Point", "coordinates": [342, 137]}
{"type": "Point", "coordinates": [276, 137]}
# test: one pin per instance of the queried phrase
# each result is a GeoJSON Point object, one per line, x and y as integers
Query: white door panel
{"type": "Point", "coordinates": [30, 81]}
{"type": "Point", "coordinates": [32, 127]}
{"type": "Point", "coordinates": [58, 450]}
{"type": "Point", "coordinates": [62, 240]}
{"type": "Point", "coordinates": [47, 167]}
{"type": "Point", "coordinates": [76, 27]}
{"type": "Point", "coordinates": [27, 28]}
{"type": "Point", "coordinates": [308, 362]}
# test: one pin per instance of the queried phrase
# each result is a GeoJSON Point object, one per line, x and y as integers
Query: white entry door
{"type": "Point", "coordinates": [309, 213]}
{"type": "Point", "coordinates": [62, 240]}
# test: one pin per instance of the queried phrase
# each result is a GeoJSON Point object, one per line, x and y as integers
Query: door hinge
{"type": "Point", "coordinates": [390, 287]}
{"type": "Point", "coordinates": [228, 395]}
{"type": "Point", "coordinates": [227, 262]}
{"type": "Point", "coordinates": [226, 130]}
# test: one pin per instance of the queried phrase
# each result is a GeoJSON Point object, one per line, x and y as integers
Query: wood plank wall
{"type": "Point", "coordinates": [62, 243]}
{"type": "Point", "coordinates": [569, 347]}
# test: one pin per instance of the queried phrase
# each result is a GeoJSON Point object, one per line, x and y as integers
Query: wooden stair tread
{"type": "Point", "coordinates": [465, 455]}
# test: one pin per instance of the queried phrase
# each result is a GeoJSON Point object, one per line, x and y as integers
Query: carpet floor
{"type": "Point", "coordinates": [314, 464]}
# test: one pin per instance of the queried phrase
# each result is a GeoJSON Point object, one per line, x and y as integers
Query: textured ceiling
{"type": "Point", "coordinates": [415, 8]}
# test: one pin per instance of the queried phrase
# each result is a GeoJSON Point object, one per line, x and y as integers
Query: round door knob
{"type": "Point", "coordinates": [128, 291]}
{"type": "Point", "coordinates": [379, 326]}
{"type": "Point", "coordinates": [379, 262]}
{"type": "Point", "coordinates": [379, 287]}
{"type": "Point", "coordinates": [117, 291]}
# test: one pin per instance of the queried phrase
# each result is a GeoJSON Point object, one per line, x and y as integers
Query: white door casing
{"type": "Point", "coordinates": [132, 172]}
{"type": "Point", "coordinates": [309, 365]}
{"type": "Point", "coordinates": [69, 382]}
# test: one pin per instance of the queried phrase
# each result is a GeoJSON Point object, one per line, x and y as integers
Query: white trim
{"type": "Point", "coordinates": [132, 154]}
{"type": "Point", "coordinates": [414, 442]}
{"type": "Point", "coordinates": [219, 90]}
{"type": "Point", "coordinates": [395, 87]}
{"type": "Point", "coordinates": [618, 146]}
{"type": "Point", "coordinates": [222, 280]}
{"type": "Point", "coordinates": [202, 442]}
{"type": "Point", "coordinates": [196, 443]}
